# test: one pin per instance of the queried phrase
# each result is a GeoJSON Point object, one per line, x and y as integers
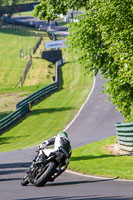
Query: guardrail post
{"type": "Point", "coordinates": [29, 106]}
{"type": "Point", "coordinates": [58, 79]}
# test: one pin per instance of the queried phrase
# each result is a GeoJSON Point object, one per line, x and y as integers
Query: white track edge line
{"type": "Point", "coordinates": [76, 173]}
{"type": "Point", "coordinates": [94, 82]}
{"type": "Point", "coordinates": [97, 177]}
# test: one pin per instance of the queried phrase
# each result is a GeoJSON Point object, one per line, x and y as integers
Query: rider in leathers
{"type": "Point", "coordinates": [62, 144]}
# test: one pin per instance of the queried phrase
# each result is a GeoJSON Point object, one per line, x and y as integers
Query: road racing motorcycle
{"type": "Point", "coordinates": [44, 169]}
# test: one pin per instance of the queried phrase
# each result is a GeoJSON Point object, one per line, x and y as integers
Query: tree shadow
{"type": "Point", "coordinates": [9, 179]}
{"type": "Point", "coordinates": [10, 31]}
{"type": "Point", "coordinates": [13, 168]}
{"type": "Point", "coordinates": [15, 165]}
{"type": "Point", "coordinates": [21, 30]}
{"type": "Point", "coordinates": [89, 157]}
{"type": "Point", "coordinates": [16, 171]}
{"type": "Point", "coordinates": [5, 140]}
{"type": "Point", "coordinates": [50, 110]}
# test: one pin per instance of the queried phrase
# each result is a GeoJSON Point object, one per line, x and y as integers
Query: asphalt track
{"type": "Point", "coordinates": [94, 122]}
{"type": "Point", "coordinates": [97, 118]}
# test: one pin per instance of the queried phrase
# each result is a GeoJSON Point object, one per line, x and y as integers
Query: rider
{"type": "Point", "coordinates": [62, 144]}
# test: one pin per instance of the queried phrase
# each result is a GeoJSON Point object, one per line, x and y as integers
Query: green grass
{"type": "Point", "coordinates": [95, 159]}
{"type": "Point", "coordinates": [11, 66]}
{"type": "Point", "coordinates": [55, 112]}
{"type": "Point", "coordinates": [52, 114]}
{"type": "Point", "coordinates": [29, 14]}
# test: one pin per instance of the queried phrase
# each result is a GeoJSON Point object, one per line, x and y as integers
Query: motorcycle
{"type": "Point", "coordinates": [44, 169]}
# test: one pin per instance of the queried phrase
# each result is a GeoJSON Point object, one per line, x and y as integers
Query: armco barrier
{"type": "Point", "coordinates": [124, 132]}
{"type": "Point", "coordinates": [36, 96]}
{"type": "Point", "coordinates": [24, 106]}
{"type": "Point", "coordinates": [15, 116]}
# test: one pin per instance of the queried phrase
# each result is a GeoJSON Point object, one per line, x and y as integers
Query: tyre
{"type": "Point", "coordinates": [44, 177]}
{"type": "Point", "coordinates": [25, 180]}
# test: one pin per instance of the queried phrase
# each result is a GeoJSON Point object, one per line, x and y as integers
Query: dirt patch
{"type": "Point", "coordinates": [114, 149]}
{"type": "Point", "coordinates": [8, 101]}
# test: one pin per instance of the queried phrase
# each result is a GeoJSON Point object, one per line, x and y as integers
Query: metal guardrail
{"type": "Point", "coordinates": [36, 96]}
{"type": "Point", "coordinates": [24, 106]}
{"type": "Point", "coordinates": [124, 132]}
{"type": "Point", "coordinates": [12, 118]}
{"type": "Point", "coordinates": [39, 94]}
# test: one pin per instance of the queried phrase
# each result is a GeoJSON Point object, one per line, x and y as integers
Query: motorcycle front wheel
{"type": "Point", "coordinates": [25, 180]}
{"type": "Point", "coordinates": [45, 176]}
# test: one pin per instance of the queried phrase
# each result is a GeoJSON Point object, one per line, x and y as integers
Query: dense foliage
{"type": "Point", "coordinates": [104, 35]}
{"type": "Point", "coordinates": [50, 9]}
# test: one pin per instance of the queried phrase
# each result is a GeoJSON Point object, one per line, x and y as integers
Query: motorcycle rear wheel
{"type": "Point", "coordinates": [43, 178]}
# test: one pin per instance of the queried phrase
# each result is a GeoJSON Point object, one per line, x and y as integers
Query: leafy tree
{"type": "Point", "coordinates": [50, 9]}
{"type": "Point", "coordinates": [104, 35]}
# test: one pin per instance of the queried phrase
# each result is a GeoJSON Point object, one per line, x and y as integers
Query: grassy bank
{"type": "Point", "coordinates": [54, 113]}
{"type": "Point", "coordinates": [95, 159]}
{"type": "Point", "coordinates": [12, 42]}
{"type": "Point", "coordinates": [12, 67]}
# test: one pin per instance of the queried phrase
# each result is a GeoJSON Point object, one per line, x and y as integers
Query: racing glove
{"type": "Point", "coordinates": [43, 145]}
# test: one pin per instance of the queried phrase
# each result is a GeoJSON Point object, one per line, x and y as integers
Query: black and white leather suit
{"type": "Point", "coordinates": [61, 144]}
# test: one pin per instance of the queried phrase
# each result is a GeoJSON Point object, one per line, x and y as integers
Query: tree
{"type": "Point", "coordinates": [104, 35]}
{"type": "Point", "coordinates": [50, 9]}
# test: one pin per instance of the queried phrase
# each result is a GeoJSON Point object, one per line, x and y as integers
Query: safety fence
{"type": "Point", "coordinates": [36, 96]}
{"type": "Point", "coordinates": [124, 132]}
{"type": "Point", "coordinates": [15, 116]}
{"type": "Point", "coordinates": [17, 7]}
{"type": "Point", "coordinates": [23, 107]}
{"type": "Point", "coordinates": [37, 45]}
{"type": "Point", "coordinates": [29, 64]}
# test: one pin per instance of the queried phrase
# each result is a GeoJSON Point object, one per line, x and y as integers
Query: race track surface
{"type": "Point", "coordinates": [95, 122]}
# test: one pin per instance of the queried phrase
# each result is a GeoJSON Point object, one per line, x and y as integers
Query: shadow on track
{"type": "Point", "coordinates": [78, 182]}
{"type": "Point", "coordinates": [91, 197]}
{"type": "Point", "coordinates": [9, 179]}
{"type": "Point", "coordinates": [13, 168]}
{"type": "Point", "coordinates": [15, 165]}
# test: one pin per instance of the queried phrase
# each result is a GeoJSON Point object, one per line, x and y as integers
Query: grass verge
{"type": "Point", "coordinates": [95, 159]}
{"type": "Point", "coordinates": [12, 42]}
{"type": "Point", "coordinates": [12, 67]}
{"type": "Point", "coordinates": [54, 113]}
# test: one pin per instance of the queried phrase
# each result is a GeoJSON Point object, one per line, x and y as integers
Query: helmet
{"type": "Point", "coordinates": [62, 134]}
